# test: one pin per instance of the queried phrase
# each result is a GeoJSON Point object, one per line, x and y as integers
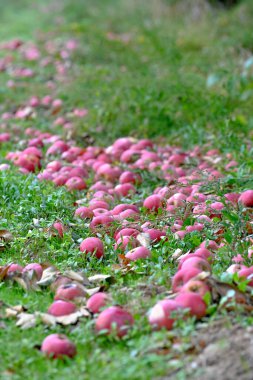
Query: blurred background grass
{"type": "Point", "coordinates": [176, 69]}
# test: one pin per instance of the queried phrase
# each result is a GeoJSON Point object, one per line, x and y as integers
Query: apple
{"type": "Point", "coordinates": [97, 301]}
{"type": "Point", "coordinates": [75, 183]}
{"type": "Point", "coordinates": [114, 319]}
{"type": "Point", "coordinates": [57, 346]}
{"type": "Point", "coordinates": [248, 274]}
{"type": "Point", "coordinates": [246, 198]}
{"type": "Point", "coordinates": [153, 202]}
{"type": "Point", "coordinates": [84, 212]}
{"type": "Point", "coordinates": [195, 286]}
{"type": "Point", "coordinates": [182, 277]}
{"type": "Point", "coordinates": [161, 315]}
{"type": "Point", "coordinates": [37, 268]}
{"type": "Point", "coordinates": [138, 253]}
{"type": "Point", "coordinates": [69, 292]}
{"type": "Point", "coordinates": [93, 246]}
{"type": "Point", "coordinates": [154, 234]}
{"type": "Point", "coordinates": [101, 223]}
{"type": "Point", "coordinates": [125, 242]}
{"type": "Point", "coordinates": [15, 268]}
{"type": "Point", "coordinates": [59, 308]}
{"type": "Point", "coordinates": [58, 226]}
{"type": "Point", "coordinates": [196, 262]}
{"type": "Point", "coordinates": [193, 302]}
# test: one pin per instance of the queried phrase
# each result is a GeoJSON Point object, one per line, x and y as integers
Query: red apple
{"type": "Point", "coordinates": [60, 308]}
{"type": "Point", "coordinates": [116, 319]}
{"type": "Point", "coordinates": [160, 315]}
{"type": "Point", "coordinates": [153, 202]}
{"type": "Point", "coordinates": [194, 302]}
{"type": "Point", "coordinates": [246, 198]}
{"type": "Point", "coordinates": [69, 292]}
{"type": "Point", "coordinates": [97, 301]}
{"type": "Point", "coordinates": [37, 268]}
{"type": "Point", "coordinates": [138, 253]}
{"type": "Point", "coordinates": [58, 346]}
{"type": "Point", "coordinates": [92, 245]}
{"type": "Point", "coordinates": [182, 277]}
{"type": "Point", "coordinates": [195, 286]}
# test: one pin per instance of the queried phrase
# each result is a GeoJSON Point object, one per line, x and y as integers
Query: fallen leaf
{"type": "Point", "coordinates": [13, 311]}
{"type": "Point", "coordinates": [99, 278]}
{"type": "Point", "coordinates": [93, 290]}
{"type": "Point", "coordinates": [77, 276]}
{"type": "Point", "coordinates": [4, 271]}
{"type": "Point", "coordinates": [6, 236]}
{"type": "Point", "coordinates": [144, 239]}
{"type": "Point", "coordinates": [26, 320]}
{"type": "Point", "coordinates": [48, 277]}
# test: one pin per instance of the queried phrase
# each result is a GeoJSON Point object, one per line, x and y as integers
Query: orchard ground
{"type": "Point", "coordinates": [179, 73]}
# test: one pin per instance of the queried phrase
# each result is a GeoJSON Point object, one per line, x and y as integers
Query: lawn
{"type": "Point", "coordinates": [174, 72]}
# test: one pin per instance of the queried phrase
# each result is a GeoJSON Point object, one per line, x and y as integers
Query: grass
{"type": "Point", "coordinates": [145, 69]}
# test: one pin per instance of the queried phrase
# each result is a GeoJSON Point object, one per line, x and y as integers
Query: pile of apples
{"type": "Point", "coordinates": [111, 196]}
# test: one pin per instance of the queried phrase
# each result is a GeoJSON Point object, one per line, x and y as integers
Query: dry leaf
{"type": "Point", "coordinates": [48, 277]}
{"type": "Point", "coordinates": [6, 236]}
{"type": "Point", "coordinates": [26, 320]}
{"type": "Point", "coordinates": [13, 311]}
{"type": "Point", "coordinates": [93, 290]}
{"type": "Point", "coordinates": [178, 252]}
{"type": "Point", "coordinates": [4, 271]}
{"type": "Point", "coordinates": [73, 318]}
{"type": "Point", "coordinates": [144, 239]}
{"type": "Point", "coordinates": [47, 319]}
{"type": "Point", "coordinates": [100, 278]}
{"type": "Point", "coordinates": [123, 260]}
{"type": "Point", "coordinates": [77, 276]}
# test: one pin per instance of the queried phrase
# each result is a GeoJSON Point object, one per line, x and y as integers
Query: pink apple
{"type": "Point", "coordinates": [138, 253]}
{"type": "Point", "coordinates": [58, 346]}
{"type": "Point", "coordinates": [196, 262]}
{"type": "Point", "coordinates": [246, 198]}
{"type": "Point", "coordinates": [69, 292]}
{"type": "Point", "coordinates": [97, 301]}
{"type": "Point", "coordinates": [60, 308]}
{"type": "Point", "coordinates": [93, 246]}
{"type": "Point", "coordinates": [37, 268]}
{"type": "Point", "coordinates": [194, 302]}
{"type": "Point", "coordinates": [153, 202]}
{"type": "Point", "coordinates": [116, 319]}
{"type": "Point", "coordinates": [161, 315]}
{"type": "Point", "coordinates": [195, 286]}
{"type": "Point", "coordinates": [84, 212]}
{"type": "Point", "coordinates": [182, 277]}
{"type": "Point", "coordinates": [75, 183]}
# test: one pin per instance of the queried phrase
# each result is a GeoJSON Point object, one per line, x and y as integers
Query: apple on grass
{"type": "Point", "coordinates": [114, 319]}
{"type": "Point", "coordinates": [58, 346]}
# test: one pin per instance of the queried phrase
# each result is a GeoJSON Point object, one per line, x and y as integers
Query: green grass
{"type": "Point", "coordinates": [178, 79]}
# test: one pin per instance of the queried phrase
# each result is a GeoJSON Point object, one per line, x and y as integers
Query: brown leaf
{"type": "Point", "coordinates": [220, 289]}
{"type": "Point", "coordinates": [123, 260]}
{"type": "Point", "coordinates": [6, 236]}
{"type": "Point", "coordinates": [4, 271]}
